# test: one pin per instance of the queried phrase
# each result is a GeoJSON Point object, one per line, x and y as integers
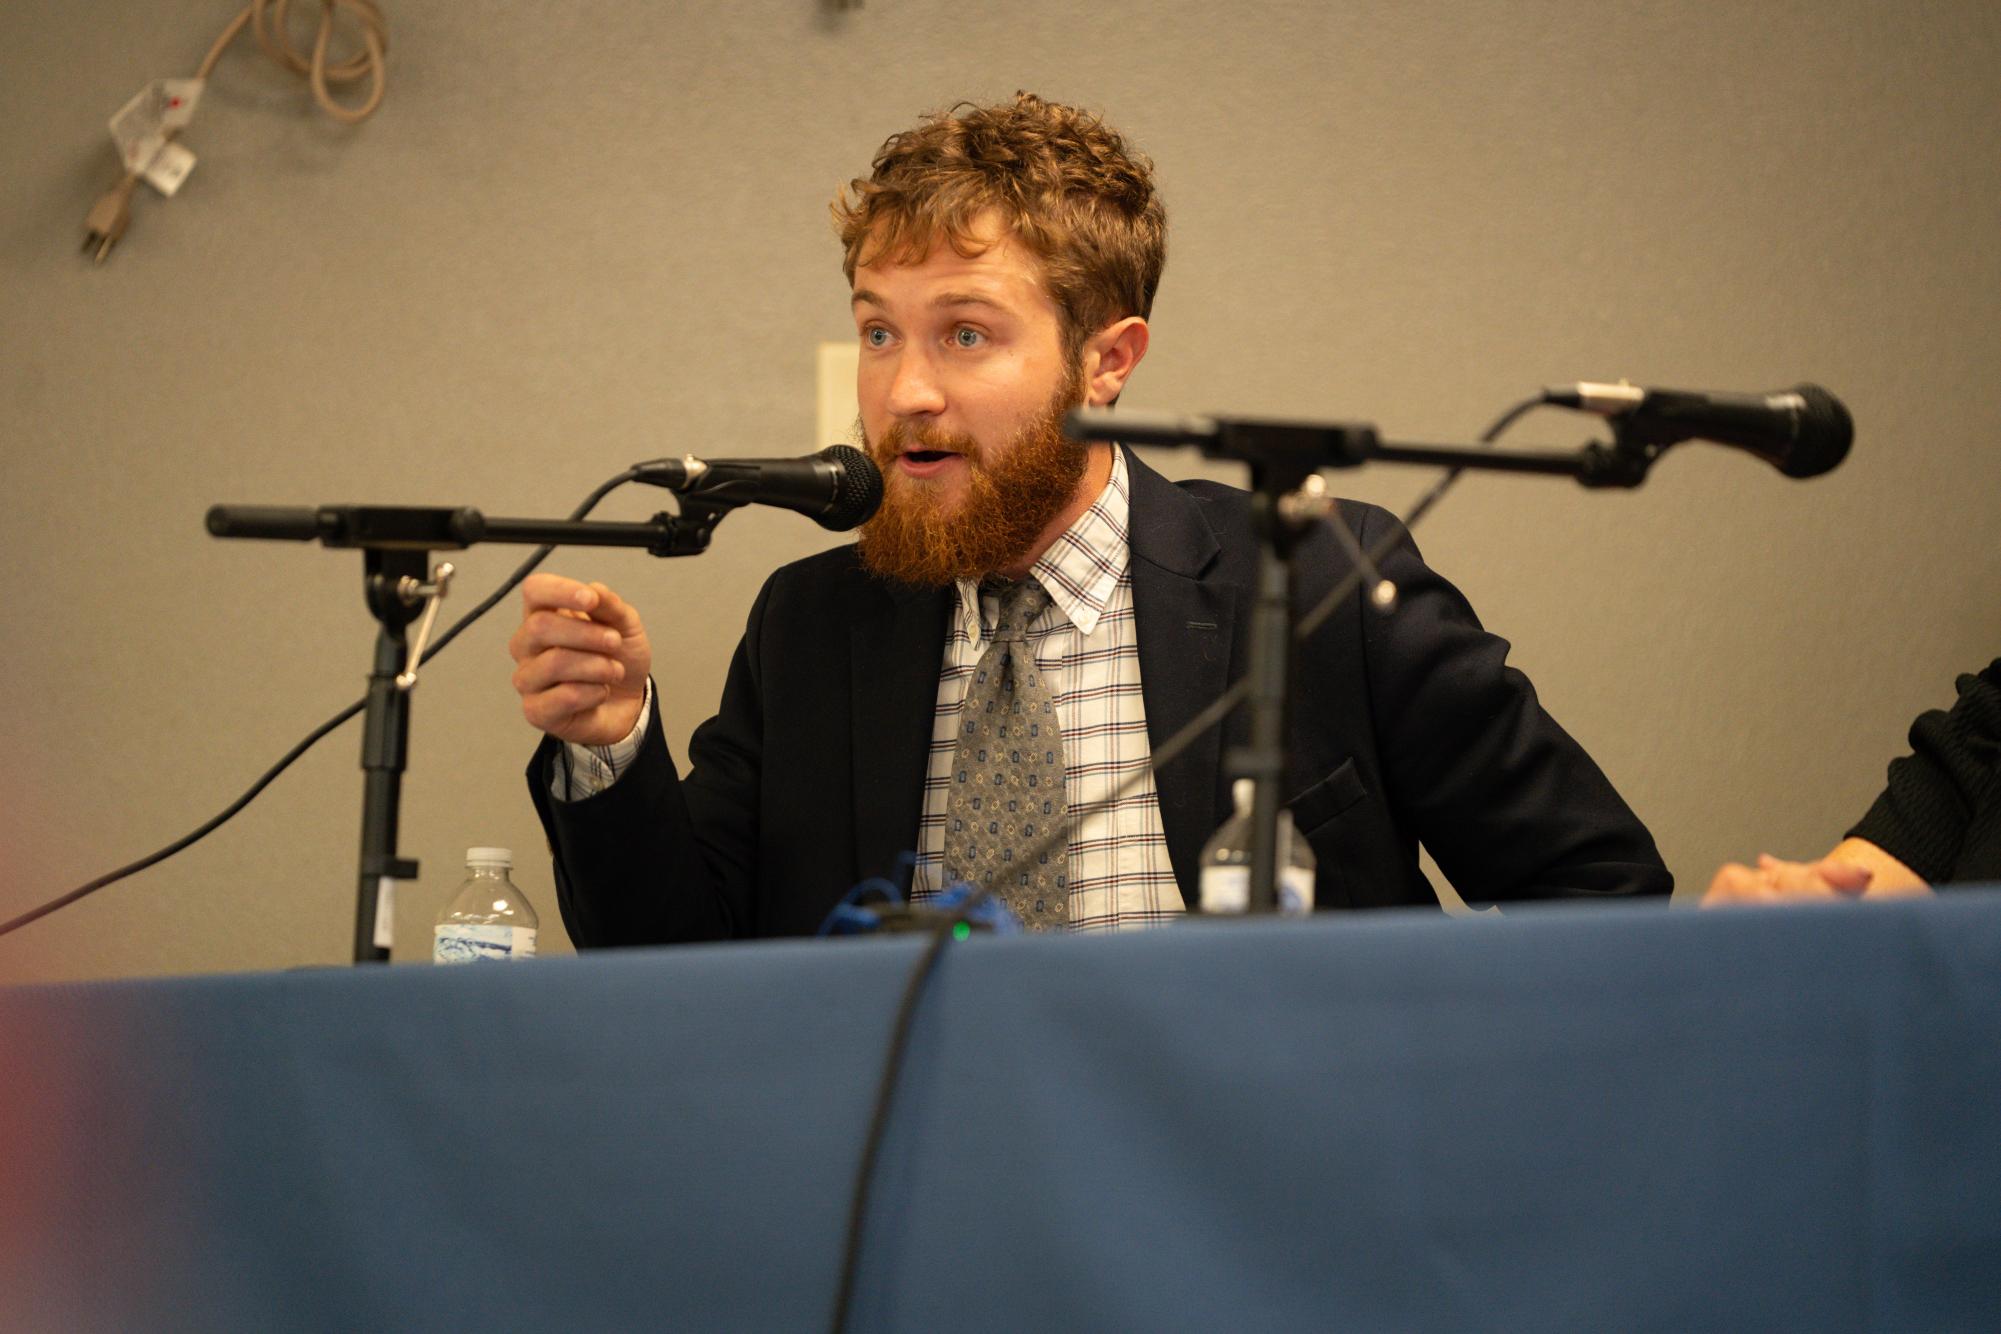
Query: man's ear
{"type": "Point", "coordinates": [1110, 357]}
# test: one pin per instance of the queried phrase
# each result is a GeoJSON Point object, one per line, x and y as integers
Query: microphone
{"type": "Point", "coordinates": [1803, 431]}
{"type": "Point", "coordinates": [838, 488]}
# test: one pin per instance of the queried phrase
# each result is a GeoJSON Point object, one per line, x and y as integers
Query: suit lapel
{"type": "Point", "coordinates": [896, 644]}
{"type": "Point", "coordinates": [1184, 624]}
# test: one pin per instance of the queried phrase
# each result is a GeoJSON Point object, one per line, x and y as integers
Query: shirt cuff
{"type": "Point", "coordinates": [585, 771]}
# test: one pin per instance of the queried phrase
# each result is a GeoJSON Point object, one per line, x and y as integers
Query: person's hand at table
{"type": "Point", "coordinates": [581, 660]}
{"type": "Point", "coordinates": [1854, 869]}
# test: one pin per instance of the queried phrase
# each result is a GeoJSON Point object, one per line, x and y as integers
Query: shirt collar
{"type": "Point", "coordinates": [1082, 567]}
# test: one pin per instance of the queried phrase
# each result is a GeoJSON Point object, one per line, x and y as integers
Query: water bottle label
{"type": "Point", "coordinates": [465, 943]}
{"type": "Point", "coordinates": [1295, 891]}
{"type": "Point", "coordinates": [1226, 889]}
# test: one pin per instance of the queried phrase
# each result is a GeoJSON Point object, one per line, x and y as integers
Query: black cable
{"type": "Point", "coordinates": [1218, 709]}
{"type": "Point", "coordinates": [1415, 515]}
{"type": "Point", "coordinates": [189, 840]}
{"type": "Point", "coordinates": [312, 738]}
{"type": "Point", "coordinates": [892, 1068]}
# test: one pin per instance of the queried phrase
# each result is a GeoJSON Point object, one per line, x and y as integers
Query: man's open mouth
{"type": "Point", "coordinates": [929, 455]}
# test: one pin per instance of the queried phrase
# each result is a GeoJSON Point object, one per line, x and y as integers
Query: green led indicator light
{"type": "Point", "coordinates": [961, 930]}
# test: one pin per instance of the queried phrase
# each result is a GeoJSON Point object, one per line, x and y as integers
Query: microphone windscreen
{"type": "Point", "coordinates": [857, 493]}
{"type": "Point", "coordinates": [1825, 433]}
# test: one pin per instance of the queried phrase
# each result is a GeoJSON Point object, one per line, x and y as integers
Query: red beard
{"type": "Point", "coordinates": [1010, 496]}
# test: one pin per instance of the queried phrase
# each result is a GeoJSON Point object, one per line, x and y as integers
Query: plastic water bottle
{"type": "Point", "coordinates": [1226, 862]}
{"type": "Point", "coordinates": [488, 918]}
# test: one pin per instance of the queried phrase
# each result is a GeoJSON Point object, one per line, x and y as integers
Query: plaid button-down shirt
{"type": "Point", "coordinates": [1086, 648]}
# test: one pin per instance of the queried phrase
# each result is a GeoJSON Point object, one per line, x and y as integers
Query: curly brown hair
{"type": "Point", "coordinates": [1060, 179]}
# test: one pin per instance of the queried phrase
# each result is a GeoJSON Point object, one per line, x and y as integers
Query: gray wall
{"type": "Point", "coordinates": [584, 233]}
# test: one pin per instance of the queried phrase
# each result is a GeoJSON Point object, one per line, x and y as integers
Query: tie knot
{"type": "Point", "coordinates": [1020, 604]}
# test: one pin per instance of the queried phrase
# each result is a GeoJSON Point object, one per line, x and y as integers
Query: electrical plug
{"type": "Point", "coordinates": [108, 218]}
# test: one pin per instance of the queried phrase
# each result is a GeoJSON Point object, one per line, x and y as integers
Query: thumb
{"type": "Point", "coordinates": [1843, 877]}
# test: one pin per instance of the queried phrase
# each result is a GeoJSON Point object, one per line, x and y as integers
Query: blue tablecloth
{"type": "Point", "coordinates": [1601, 1118]}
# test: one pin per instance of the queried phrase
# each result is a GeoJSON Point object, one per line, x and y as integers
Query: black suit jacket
{"type": "Point", "coordinates": [810, 777]}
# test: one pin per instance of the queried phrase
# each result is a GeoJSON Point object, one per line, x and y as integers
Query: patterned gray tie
{"type": "Point", "coordinates": [1007, 796]}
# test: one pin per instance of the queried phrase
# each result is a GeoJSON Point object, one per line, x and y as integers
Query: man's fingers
{"type": "Point", "coordinates": [549, 709]}
{"type": "Point", "coordinates": [556, 592]}
{"type": "Point", "coordinates": [556, 666]}
{"type": "Point", "coordinates": [568, 598]}
{"type": "Point", "coordinates": [580, 657]}
{"type": "Point", "coordinates": [1843, 877]}
{"type": "Point", "coordinates": [543, 630]}
{"type": "Point", "coordinates": [1735, 883]}
{"type": "Point", "coordinates": [1776, 880]}
{"type": "Point", "coordinates": [614, 611]}
{"type": "Point", "coordinates": [1795, 879]}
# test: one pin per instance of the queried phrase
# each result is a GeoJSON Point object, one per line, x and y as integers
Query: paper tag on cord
{"type": "Point", "coordinates": [169, 167]}
{"type": "Point", "coordinates": [141, 126]}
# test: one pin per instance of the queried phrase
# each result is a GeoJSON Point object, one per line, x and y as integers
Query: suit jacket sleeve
{"type": "Point", "coordinates": [1507, 802]}
{"type": "Point", "coordinates": [657, 858]}
{"type": "Point", "coordinates": [1940, 811]}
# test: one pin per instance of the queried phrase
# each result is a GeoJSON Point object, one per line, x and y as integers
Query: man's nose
{"type": "Point", "coordinates": [914, 390]}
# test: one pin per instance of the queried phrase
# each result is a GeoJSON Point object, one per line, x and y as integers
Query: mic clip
{"type": "Point", "coordinates": [1627, 460]}
{"type": "Point", "coordinates": [688, 533]}
{"type": "Point", "coordinates": [689, 478]}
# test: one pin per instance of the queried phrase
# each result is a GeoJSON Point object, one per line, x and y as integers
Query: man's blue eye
{"type": "Point", "coordinates": [875, 337]}
{"type": "Point", "coordinates": [967, 337]}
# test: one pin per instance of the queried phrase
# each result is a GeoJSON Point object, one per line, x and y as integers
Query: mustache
{"type": "Point", "coordinates": [904, 438]}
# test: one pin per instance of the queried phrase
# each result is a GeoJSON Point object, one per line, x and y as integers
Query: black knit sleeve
{"type": "Point", "coordinates": [1921, 818]}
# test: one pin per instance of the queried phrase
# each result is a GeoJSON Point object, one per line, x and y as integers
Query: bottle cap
{"type": "Point", "coordinates": [490, 857]}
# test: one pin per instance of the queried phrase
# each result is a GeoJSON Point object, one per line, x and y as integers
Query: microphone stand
{"type": "Point", "coordinates": [396, 545]}
{"type": "Point", "coordinates": [1287, 501]}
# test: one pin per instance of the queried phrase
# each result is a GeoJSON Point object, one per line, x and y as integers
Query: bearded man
{"type": "Point", "coordinates": [1026, 619]}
